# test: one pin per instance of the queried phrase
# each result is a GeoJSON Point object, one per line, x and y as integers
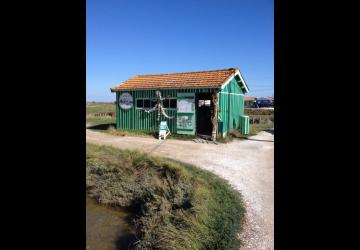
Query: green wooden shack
{"type": "Point", "coordinates": [204, 103]}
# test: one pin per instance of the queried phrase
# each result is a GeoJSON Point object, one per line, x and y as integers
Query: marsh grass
{"type": "Point", "coordinates": [256, 128]}
{"type": "Point", "coordinates": [177, 206]}
{"type": "Point", "coordinates": [93, 108]}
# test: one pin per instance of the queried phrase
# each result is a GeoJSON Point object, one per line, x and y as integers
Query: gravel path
{"type": "Point", "coordinates": [248, 165]}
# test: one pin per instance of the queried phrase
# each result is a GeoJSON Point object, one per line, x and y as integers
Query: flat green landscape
{"type": "Point", "coordinates": [96, 108]}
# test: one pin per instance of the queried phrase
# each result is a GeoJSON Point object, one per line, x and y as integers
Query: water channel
{"type": "Point", "coordinates": [107, 228]}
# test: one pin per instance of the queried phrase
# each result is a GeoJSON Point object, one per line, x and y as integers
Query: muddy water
{"type": "Point", "coordinates": [107, 228]}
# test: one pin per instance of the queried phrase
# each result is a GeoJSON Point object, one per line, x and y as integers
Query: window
{"type": "Point", "coordinates": [166, 103]}
{"type": "Point", "coordinates": [206, 103]}
{"type": "Point", "coordinates": [169, 103]}
{"type": "Point", "coordinates": [150, 103]}
{"type": "Point", "coordinates": [139, 103]}
{"type": "Point", "coordinates": [146, 103]}
{"type": "Point", "coordinates": [173, 103]}
{"type": "Point", "coordinates": [153, 102]}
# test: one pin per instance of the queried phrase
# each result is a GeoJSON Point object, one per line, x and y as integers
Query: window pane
{"type": "Point", "coordinates": [139, 103]}
{"type": "Point", "coordinates": [153, 102]}
{"type": "Point", "coordinates": [173, 103]}
{"type": "Point", "coordinates": [201, 103]}
{"type": "Point", "coordinates": [207, 103]}
{"type": "Point", "coordinates": [166, 103]}
{"type": "Point", "coordinates": [146, 103]}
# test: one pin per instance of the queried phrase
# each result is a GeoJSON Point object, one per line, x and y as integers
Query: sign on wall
{"type": "Point", "coordinates": [186, 105]}
{"type": "Point", "coordinates": [185, 123]}
{"type": "Point", "coordinates": [126, 101]}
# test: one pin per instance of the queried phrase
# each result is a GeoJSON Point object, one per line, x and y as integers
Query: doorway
{"type": "Point", "coordinates": [204, 109]}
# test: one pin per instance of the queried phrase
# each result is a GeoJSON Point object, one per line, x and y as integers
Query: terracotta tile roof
{"type": "Point", "coordinates": [198, 79]}
{"type": "Point", "coordinates": [247, 99]}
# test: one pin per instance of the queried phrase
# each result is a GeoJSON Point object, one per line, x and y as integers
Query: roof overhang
{"type": "Point", "coordinates": [146, 89]}
{"type": "Point", "coordinates": [243, 83]}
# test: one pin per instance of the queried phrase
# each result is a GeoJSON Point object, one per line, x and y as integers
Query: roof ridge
{"type": "Point", "coordinates": [190, 72]}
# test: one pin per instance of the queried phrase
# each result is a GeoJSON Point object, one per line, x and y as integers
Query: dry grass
{"type": "Point", "coordinates": [177, 206]}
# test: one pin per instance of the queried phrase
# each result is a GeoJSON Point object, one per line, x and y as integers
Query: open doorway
{"type": "Point", "coordinates": [204, 109]}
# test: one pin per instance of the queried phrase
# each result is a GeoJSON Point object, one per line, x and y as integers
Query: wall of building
{"type": "Point", "coordinates": [138, 119]}
{"type": "Point", "coordinates": [231, 107]}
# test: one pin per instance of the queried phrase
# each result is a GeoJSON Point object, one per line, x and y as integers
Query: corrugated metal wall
{"type": "Point", "coordinates": [138, 119]}
{"type": "Point", "coordinates": [231, 107]}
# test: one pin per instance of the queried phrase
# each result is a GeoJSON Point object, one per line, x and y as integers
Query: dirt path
{"type": "Point", "coordinates": [248, 165]}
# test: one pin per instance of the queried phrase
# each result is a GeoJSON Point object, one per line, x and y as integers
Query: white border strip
{"type": "Point", "coordinates": [227, 93]}
{"type": "Point", "coordinates": [227, 81]}
{"type": "Point", "coordinates": [242, 80]}
{"type": "Point", "coordinates": [237, 73]}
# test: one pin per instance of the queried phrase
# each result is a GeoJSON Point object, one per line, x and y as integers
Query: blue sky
{"type": "Point", "coordinates": [125, 38]}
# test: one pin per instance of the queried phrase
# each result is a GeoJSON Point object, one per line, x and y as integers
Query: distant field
{"type": "Point", "coordinates": [260, 120]}
{"type": "Point", "coordinates": [92, 109]}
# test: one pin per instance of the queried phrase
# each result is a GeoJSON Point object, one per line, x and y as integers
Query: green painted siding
{"type": "Point", "coordinates": [138, 119]}
{"type": "Point", "coordinates": [231, 107]}
{"type": "Point", "coordinates": [117, 108]}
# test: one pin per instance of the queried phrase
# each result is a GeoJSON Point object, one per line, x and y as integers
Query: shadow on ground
{"type": "Point", "coordinates": [105, 126]}
{"type": "Point", "coordinates": [102, 126]}
{"type": "Point", "coordinates": [271, 131]}
{"type": "Point", "coordinates": [250, 139]}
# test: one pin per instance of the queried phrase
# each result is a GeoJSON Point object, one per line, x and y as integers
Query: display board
{"type": "Point", "coordinates": [186, 113]}
{"type": "Point", "coordinates": [185, 105]}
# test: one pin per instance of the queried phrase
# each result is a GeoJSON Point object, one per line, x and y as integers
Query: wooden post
{"type": "Point", "coordinates": [214, 116]}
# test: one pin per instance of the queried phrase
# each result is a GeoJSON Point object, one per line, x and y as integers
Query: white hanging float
{"type": "Point", "coordinates": [164, 130]}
